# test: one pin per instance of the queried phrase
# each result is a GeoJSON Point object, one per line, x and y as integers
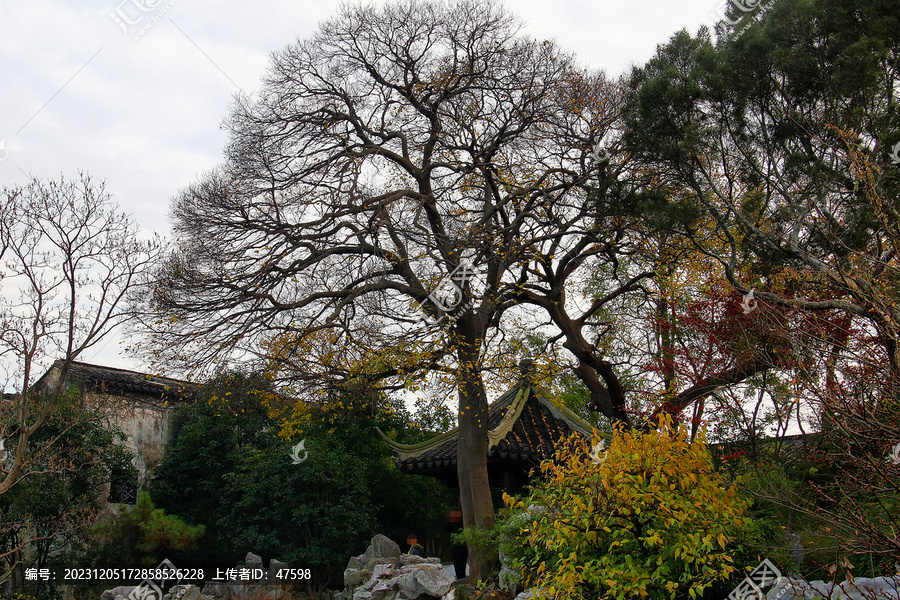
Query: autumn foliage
{"type": "Point", "coordinates": [650, 517]}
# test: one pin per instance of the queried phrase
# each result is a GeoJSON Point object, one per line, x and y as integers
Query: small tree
{"type": "Point", "coordinates": [54, 507]}
{"type": "Point", "coordinates": [649, 517]}
{"type": "Point", "coordinates": [145, 535]}
{"type": "Point", "coordinates": [68, 260]}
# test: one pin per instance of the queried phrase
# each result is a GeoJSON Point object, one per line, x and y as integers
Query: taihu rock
{"type": "Point", "coordinates": [861, 588]}
{"type": "Point", "coordinates": [385, 547]}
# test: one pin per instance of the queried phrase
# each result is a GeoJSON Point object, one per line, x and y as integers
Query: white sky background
{"type": "Point", "coordinates": [77, 93]}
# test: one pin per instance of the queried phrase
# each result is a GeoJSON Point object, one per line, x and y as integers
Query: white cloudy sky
{"type": "Point", "coordinates": [78, 93]}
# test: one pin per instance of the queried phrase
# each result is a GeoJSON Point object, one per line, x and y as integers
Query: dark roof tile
{"type": "Point", "coordinates": [124, 382]}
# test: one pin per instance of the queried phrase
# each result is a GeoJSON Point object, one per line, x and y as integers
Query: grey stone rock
{"type": "Point", "coordinates": [410, 559]}
{"type": "Point", "coordinates": [381, 561]}
{"type": "Point", "coordinates": [122, 590]}
{"type": "Point", "coordinates": [413, 568]}
{"type": "Point", "coordinates": [368, 585]}
{"type": "Point", "coordinates": [435, 582]}
{"type": "Point", "coordinates": [407, 585]}
{"type": "Point", "coordinates": [863, 588]}
{"type": "Point", "coordinates": [368, 555]}
{"type": "Point", "coordinates": [821, 588]}
{"type": "Point", "coordinates": [379, 574]}
{"type": "Point", "coordinates": [213, 590]}
{"type": "Point", "coordinates": [382, 571]}
{"type": "Point", "coordinates": [529, 594]}
{"type": "Point", "coordinates": [276, 594]}
{"type": "Point", "coordinates": [385, 547]}
{"type": "Point", "coordinates": [508, 579]}
{"type": "Point", "coordinates": [274, 567]}
{"type": "Point", "coordinates": [384, 590]}
{"type": "Point", "coordinates": [354, 578]}
{"type": "Point", "coordinates": [217, 590]}
{"type": "Point", "coordinates": [253, 561]}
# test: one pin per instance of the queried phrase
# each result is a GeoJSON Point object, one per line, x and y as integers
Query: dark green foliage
{"type": "Point", "coordinates": [776, 90]}
{"type": "Point", "coordinates": [228, 418]}
{"type": "Point", "coordinates": [230, 471]}
{"type": "Point", "coordinates": [315, 514]}
{"type": "Point", "coordinates": [51, 509]}
{"type": "Point", "coordinates": [144, 535]}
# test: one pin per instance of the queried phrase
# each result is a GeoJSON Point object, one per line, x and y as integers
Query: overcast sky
{"type": "Point", "coordinates": [134, 91]}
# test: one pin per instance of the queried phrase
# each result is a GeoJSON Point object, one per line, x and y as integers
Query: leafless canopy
{"type": "Point", "coordinates": [381, 155]}
{"type": "Point", "coordinates": [68, 261]}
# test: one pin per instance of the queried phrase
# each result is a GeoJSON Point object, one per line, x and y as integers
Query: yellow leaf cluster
{"type": "Point", "coordinates": [650, 517]}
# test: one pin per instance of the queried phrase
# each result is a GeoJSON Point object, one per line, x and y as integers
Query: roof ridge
{"type": "Point", "coordinates": [564, 413]}
{"type": "Point", "coordinates": [412, 450]}
{"type": "Point", "coordinates": [129, 371]}
{"type": "Point", "coordinates": [513, 412]}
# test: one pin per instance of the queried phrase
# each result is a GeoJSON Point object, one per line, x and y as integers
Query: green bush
{"type": "Point", "coordinates": [212, 435]}
{"type": "Point", "coordinates": [144, 535]}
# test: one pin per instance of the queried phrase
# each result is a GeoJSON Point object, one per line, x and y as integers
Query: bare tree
{"type": "Point", "coordinates": [68, 261]}
{"type": "Point", "coordinates": [382, 196]}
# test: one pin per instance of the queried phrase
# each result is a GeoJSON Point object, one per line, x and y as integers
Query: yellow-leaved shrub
{"type": "Point", "coordinates": [647, 518]}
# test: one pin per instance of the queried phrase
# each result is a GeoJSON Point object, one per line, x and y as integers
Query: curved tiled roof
{"type": "Point", "coordinates": [121, 381]}
{"type": "Point", "coordinates": [524, 427]}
